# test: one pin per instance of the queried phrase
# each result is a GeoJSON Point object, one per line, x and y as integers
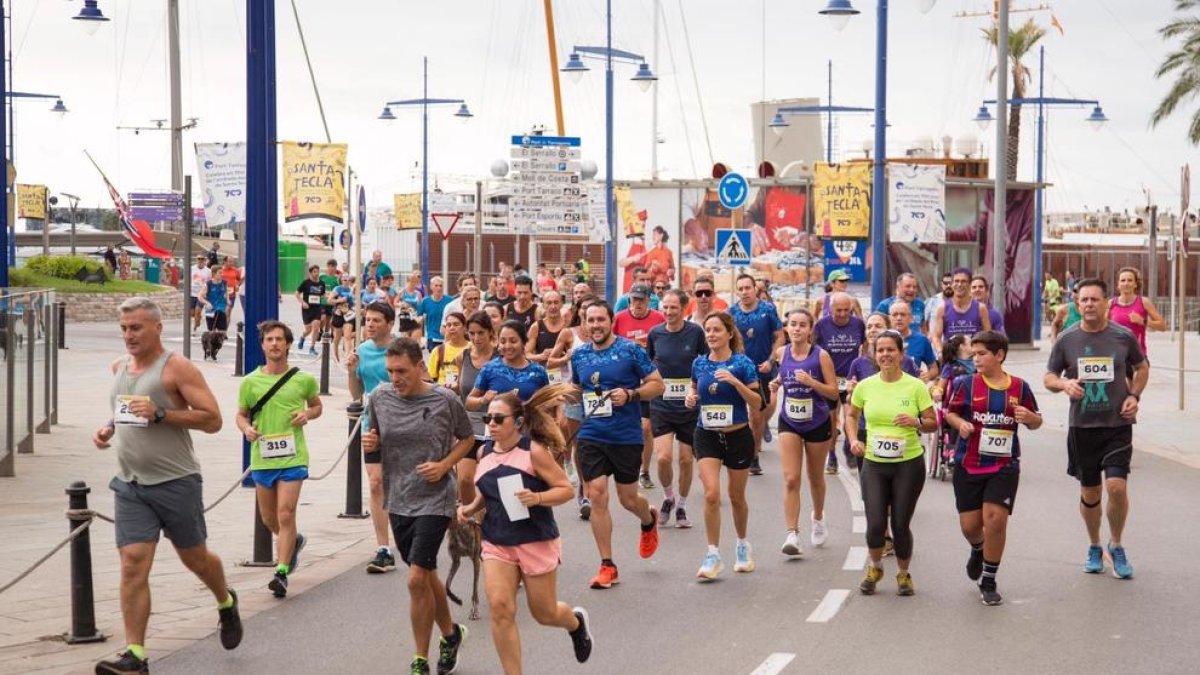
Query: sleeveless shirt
{"type": "Point", "coordinates": [153, 453]}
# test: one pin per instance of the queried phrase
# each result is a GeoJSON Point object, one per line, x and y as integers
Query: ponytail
{"type": "Point", "coordinates": [537, 421]}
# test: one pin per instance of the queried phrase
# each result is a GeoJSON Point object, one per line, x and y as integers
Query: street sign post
{"type": "Point", "coordinates": [548, 196]}
{"type": "Point", "coordinates": [733, 249]}
{"type": "Point", "coordinates": [362, 209]}
{"type": "Point", "coordinates": [153, 207]}
{"type": "Point", "coordinates": [445, 223]}
{"type": "Point", "coordinates": [733, 190]}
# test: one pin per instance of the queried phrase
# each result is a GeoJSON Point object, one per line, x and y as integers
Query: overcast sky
{"type": "Point", "coordinates": [493, 53]}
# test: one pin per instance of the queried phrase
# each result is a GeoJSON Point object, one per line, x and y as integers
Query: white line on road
{"type": "Point", "coordinates": [829, 605]}
{"type": "Point", "coordinates": [856, 558]}
{"type": "Point", "coordinates": [860, 525]}
{"type": "Point", "coordinates": [852, 491]}
{"type": "Point", "coordinates": [774, 664]}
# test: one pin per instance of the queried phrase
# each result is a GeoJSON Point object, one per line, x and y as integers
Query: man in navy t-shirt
{"type": "Point", "coordinates": [762, 334]}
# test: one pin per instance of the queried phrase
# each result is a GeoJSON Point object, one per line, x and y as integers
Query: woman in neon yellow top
{"type": "Point", "coordinates": [443, 366]}
{"type": "Point", "coordinates": [897, 408]}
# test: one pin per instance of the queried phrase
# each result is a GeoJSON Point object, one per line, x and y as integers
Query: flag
{"type": "Point", "coordinates": [1054, 22]}
{"type": "Point", "coordinates": [785, 218]}
{"type": "Point", "coordinates": [137, 230]}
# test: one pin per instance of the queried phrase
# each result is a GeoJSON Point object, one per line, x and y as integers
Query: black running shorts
{"type": "Point", "coordinates": [682, 424]}
{"type": "Point", "coordinates": [419, 538]}
{"type": "Point", "coordinates": [1096, 453]}
{"type": "Point", "coordinates": [971, 491]}
{"type": "Point", "coordinates": [735, 449]}
{"type": "Point", "coordinates": [596, 460]}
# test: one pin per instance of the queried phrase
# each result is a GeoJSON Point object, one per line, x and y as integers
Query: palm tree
{"type": "Point", "coordinates": [1185, 63]}
{"type": "Point", "coordinates": [1020, 43]}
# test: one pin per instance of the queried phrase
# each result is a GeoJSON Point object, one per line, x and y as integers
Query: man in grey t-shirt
{"type": "Point", "coordinates": [422, 432]}
{"type": "Point", "coordinates": [1100, 366]}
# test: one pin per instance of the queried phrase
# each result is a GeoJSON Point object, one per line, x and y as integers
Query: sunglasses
{"type": "Point", "coordinates": [497, 418]}
{"type": "Point", "coordinates": [660, 288]}
{"type": "Point", "coordinates": [703, 294]}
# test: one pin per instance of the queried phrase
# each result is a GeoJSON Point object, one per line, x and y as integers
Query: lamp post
{"type": "Point", "coordinates": [644, 77]}
{"type": "Point", "coordinates": [1097, 118]}
{"type": "Point", "coordinates": [839, 13]}
{"type": "Point", "coordinates": [779, 123]}
{"type": "Point", "coordinates": [464, 114]}
{"type": "Point", "coordinates": [10, 231]}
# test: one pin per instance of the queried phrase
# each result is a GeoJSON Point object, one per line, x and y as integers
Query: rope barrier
{"type": "Point", "coordinates": [74, 533]}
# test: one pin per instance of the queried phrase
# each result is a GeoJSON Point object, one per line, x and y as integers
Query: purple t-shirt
{"type": "Point", "coordinates": [842, 342]}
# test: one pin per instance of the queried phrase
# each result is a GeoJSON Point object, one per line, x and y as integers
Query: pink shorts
{"type": "Point", "coordinates": [534, 559]}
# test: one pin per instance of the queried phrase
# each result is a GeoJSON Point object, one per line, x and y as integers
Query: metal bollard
{"type": "Point", "coordinates": [83, 610]}
{"type": "Point", "coordinates": [324, 364]}
{"type": "Point", "coordinates": [61, 311]}
{"type": "Point", "coordinates": [240, 349]}
{"type": "Point", "coordinates": [354, 467]}
{"type": "Point", "coordinates": [263, 542]}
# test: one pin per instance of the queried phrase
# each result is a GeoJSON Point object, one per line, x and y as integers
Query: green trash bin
{"type": "Point", "coordinates": [293, 258]}
{"type": "Point", "coordinates": [153, 270]}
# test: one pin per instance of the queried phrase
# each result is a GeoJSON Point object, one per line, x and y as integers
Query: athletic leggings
{"type": "Point", "coordinates": [895, 486]}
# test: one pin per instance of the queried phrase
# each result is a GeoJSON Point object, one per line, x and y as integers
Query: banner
{"type": "Point", "coordinates": [408, 210]}
{"type": "Point", "coordinates": [632, 222]}
{"type": "Point", "coordinates": [314, 181]}
{"type": "Point", "coordinates": [848, 255]}
{"type": "Point", "coordinates": [658, 213]}
{"type": "Point", "coordinates": [842, 200]}
{"type": "Point", "coordinates": [917, 193]}
{"type": "Point", "coordinates": [31, 201]}
{"type": "Point", "coordinates": [222, 173]}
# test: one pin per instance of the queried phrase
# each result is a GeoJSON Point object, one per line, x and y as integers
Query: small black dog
{"type": "Point", "coordinates": [212, 341]}
{"type": "Point", "coordinates": [465, 542]}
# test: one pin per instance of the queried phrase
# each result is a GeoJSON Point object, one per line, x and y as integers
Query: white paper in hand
{"type": "Point", "coordinates": [509, 486]}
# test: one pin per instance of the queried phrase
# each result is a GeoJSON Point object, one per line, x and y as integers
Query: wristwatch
{"type": "Point", "coordinates": [160, 414]}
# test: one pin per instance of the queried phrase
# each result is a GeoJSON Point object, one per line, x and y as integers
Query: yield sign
{"type": "Point", "coordinates": [445, 223]}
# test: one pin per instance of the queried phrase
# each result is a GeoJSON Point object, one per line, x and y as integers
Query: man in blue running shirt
{"type": "Point", "coordinates": [762, 334]}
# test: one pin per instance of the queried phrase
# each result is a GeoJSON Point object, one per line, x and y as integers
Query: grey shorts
{"type": "Point", "coordinates": [175, 507]}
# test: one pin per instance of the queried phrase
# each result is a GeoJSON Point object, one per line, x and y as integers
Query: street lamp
{"type": "Point", "coordinates": [984, 118]}
{"type": "Point", "coordinates": [839, 13]}
{"type": "Point", "coordinates": [90, 18]}
{"type": "Point", "coordinates": [60, 109]}
{"type": "Point", "coordinates": [575, 68]}
{"type": "Point", "coordinates": [778, 124]}
{"type": "Point", "coordinates": [424, 102]}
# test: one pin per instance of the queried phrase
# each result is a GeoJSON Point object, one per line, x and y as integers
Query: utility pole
{"type": "Point", "coordinates": [176, 102]}
{"type": "Point", "coordinates": [1000, 208]}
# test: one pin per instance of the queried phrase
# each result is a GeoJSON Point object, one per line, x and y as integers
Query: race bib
{"type": "Point", "coordinates": [450, 376]}
{"type": "Point", "coordinates": [1095, 369]}
{"type": "Point", "coordinates": [799, 409]}
{"type": "Point", "coordinates": [314, 299]}
{"type": "Point", "coordinates": [275, 446]}
{"type": "Point", "coordinates": [996, 442]}
{"type": "Point", "coordinates": [841, 384]}
{"type": "Point", "coordinates": [716, 416]}
{"type": "Point", "coordinates": [594, 407]}
{"type": "Point", "coordinates": [348, 316]}
{"type": "Point", "coordinates": [122, 415]}
{"type": "Point", "coordinates": [555, 375]}
{"type": "Point", "coordinates": [676, 389]}
{"type": "Point", "coordinates": [889, 447]}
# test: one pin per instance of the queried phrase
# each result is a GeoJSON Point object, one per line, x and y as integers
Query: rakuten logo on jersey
{"type": "Point", "coordinates": [993, 418]}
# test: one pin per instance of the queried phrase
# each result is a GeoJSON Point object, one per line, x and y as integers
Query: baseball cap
{"type": "Point", "coordinates": [639, 291]}
{"type": "Point", "coordinates": [837, 275]}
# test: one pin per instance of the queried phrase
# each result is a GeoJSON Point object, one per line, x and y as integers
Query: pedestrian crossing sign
{"type": "Point", "coordinates": [733, 247]}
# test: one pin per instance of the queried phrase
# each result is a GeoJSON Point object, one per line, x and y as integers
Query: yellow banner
{"type": "Point", "coordinates": [633, 226]}
{"type": "Point", "coordinates": [842, 200]}
{"type": "Point", "coordinates": [408, 211]}
{"type": "Point", "coordinates": [31, 201]}
{"type": "Point", "coordinates": [314, 180]}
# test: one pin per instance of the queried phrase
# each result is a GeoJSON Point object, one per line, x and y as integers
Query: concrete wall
{"type": "Point", "coordinates": [102, 307]}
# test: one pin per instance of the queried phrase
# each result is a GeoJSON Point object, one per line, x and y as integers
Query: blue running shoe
{"type": "Point", "coordinates": [711, 567]}
{"type": "Point", "coordinates": [1095, 560]}
{"type": "Point", "coordinates": [1121, 567]}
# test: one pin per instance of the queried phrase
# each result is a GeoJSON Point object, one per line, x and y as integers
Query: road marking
{"type": "Point", "coordinates": [852, 491]}
{"type": "Point", "coordinates": [856, 558]}
{"type": "Point", "coordinates": [860, 525]}
{"type": "Point", "coordinates": [829, 606]}
{"type": "Point", "coordinates": [775, 663]}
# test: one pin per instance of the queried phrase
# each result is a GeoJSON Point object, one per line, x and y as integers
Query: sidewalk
{"type": "Point", "coordinates": [36, 612]}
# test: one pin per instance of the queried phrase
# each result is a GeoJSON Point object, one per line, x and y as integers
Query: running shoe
{"type": "Point", "coordinates": [278, 585]}
{"type": "Point", "coordinates": [904, 583]}
{"type": "Point", "coordinates": [831, 469]}
{"type": "Point", "coordinates": [819, 533]}
{"type": "Point", "coordinates": [607, 577]}
{"type": "Point", "coordinates": [791, 545]}
{"type": "Point", "coordinates": [299, 346]}
{"type": "Point", "coordinates": [125, 664]}
{"type": "Point", "coordinates": [312, 350]}
{"type": "Point", "coordinates": [767, 433]}
{"type": "Point", "coordinates": [231, 623]}
{"type": "Point", "coordinates": [989, 596]}
{"type": "Point", "coordinates": [1122, 569]}
{"type": "Point", "coordinates": [711, 567]}
{"type": "Point", "coordinates": [681, 519]}
{"type": "Point", "coordinates": [384, 562]}
{"type": "Point", "coordinates": [975, 565]}
{"type": "Point", "coordinates": [1095, 560]}
{"type": "Point", "coordinates": [581, 638]}
{"type": "Point", "coordinates": [664, 512]}
{"type": "Point", "coordinates": [448, 650]}
{"type": "Point", "coordinates": [301, 542]}
{"type": "Point", "coordinates": [870, 579]}
{"type": "Point", "coordinates": [755, 467]}
{"type": "Point", "coordinates": [419, 666]}
{"type": "Point", "coordinates": [585, 508]}
{"type": "Point", "coordinates": [744, 562]}
{"type": "Point", "coordinates": [572, 475]}
{"type": "Point", "coordinates": [644, 481]}
{"type": "Point", "coordinates": [648, 539]}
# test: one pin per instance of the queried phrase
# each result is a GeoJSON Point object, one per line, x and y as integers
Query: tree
{"type": "Point", "coordinates": [1184, 63]}
{"type": "Point", "coordinates": [1020, 42]}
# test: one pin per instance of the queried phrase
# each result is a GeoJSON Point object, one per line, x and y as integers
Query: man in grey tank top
{"type": "Point", "coordinates": [156, 398]}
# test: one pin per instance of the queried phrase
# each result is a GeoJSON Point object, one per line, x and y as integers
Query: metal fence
{"type": "Point", "coordinates": [31, 325]}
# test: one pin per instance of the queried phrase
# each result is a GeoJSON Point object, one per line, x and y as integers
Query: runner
{"type": "Point", "coordinates": [762, 335]}
{"type": "Point", "coordinates": [809, 380]}
{"type": "Point", "coordinates": [275, 402]}
{"type": "Point", "coordinates": [981, 291]}
{"type": "Point", "coordinates": [841, 334]}
{"type": "Point", "coordinates": [543, 334]}
{"type": "Point", "coordinates": [1130, 309]}
{"type": "Point", "coordinates": [1101, 368]}
{"type": "Point", "coordinates": [1067, 315]}
{"type": "Point", "coordinates": [704, 300]}
{"type": "Point", "coordinates": [466, 280]}
{"type": "Point", "coordinates": [1051, 296]}
{"type": "Point", "coordinates": [916, 345]}
{"type": "Point", "coordinates": [673, 347]}
{"type": "Point", "coordinates": [641, 277]}
{"type": "Point", "coordinates": [512, 372]}
{"type": "Point", "coordinates": [367, 370]}
{"type": "Point", "coordinates": [344, 322]}
{"type": "Point", "coordinates": [330, 278]}
{"type": "Point", "coordinates": [838, 281]}
{"type": "Point", "coordinates": [568, 341]}
{"type": "Point", "coordinates": [897, 408]}
{"type": "Point", "coordinates": [430, 311]}
{"type": "Point", "coordinates": [634, 324]}
{"type": "Point", "coordinates": [310, 293]}
{"type": "Point", "coordinates": [523, 309]}
{"type": "Point", "coordinates": [411, 293]}
{"type": "Point", "coordinates": [933, 302]}
{"type": "Point", "coordinates": [200, 276]}
{"type": "Point", "coordinates": [906, 292]}
{"type": "Point", "coordinates": [960, 314]}
{"type": "Point", "coordinates": [232, 277]}
{"type": "Point", "coordinates": [521, 545]}
{"type": "Point", "coordinates": [216, 315]}
{"type": "Point", "coordinates": [615, 375]}
{"type": "Point", "coordinates": [420, 431]}
{"type": "Point", "coordinates": [495, 312]}
{"type": "Point", "coordinates": [725, 388]}
{"type": "Point", "coordinates": [157, 398]}
{"type": "Point", "coordinates": [865, 366]}
{"type": "Point", "coordinates": [443, 359]}
{"type": "Point", "coordinates": [986, 409]}
{"type": "Point", "coordinates": [483, 349]}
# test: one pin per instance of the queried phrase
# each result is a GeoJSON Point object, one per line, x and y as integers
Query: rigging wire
{"type": "Point", "coordinates": [687, 134]}
{"type": "Point", "coordinates": [311, 75]}
{"type": "Point", "coordinates": [696, 81]}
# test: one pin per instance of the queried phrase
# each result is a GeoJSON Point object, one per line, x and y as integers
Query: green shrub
{"type": "Point", "coordinates": [65, 266]}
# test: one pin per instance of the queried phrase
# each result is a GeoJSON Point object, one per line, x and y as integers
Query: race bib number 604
{"type": "Point", "coordinates": [1095, 368]}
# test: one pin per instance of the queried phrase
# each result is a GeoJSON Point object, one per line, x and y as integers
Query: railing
{"type": "Point", "coordinates": [30, 336]}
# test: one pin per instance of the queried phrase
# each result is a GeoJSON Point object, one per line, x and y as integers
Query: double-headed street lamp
{"type": "Point", "coordinates": [10, 231]}
{"type": "Point", "coordinates": [464, 114]}
{"type": "Point", "coordinates": [1097, 119]}
{"type": "Point", "coordinates": [839, 13]}
{"type": "Point", "coordinates": [779, 123]}
{"type": "Point", "coordinates": [575, 68]}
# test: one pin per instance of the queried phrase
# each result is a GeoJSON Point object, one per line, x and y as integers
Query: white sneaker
{"type": "Point", "coordinates": [819, 533]}
{"type": "Point", "coordinates": [745, 559]}
{"type": "Point", "coordinates": [571, 474]}
{"type": "Point", "coordinates": [791, 546]}
{"type": "Point", "coordinates": [711, 567]}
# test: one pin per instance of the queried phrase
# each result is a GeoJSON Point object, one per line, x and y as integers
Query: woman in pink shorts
{"type": "Point", "coordinates": [520, 537]}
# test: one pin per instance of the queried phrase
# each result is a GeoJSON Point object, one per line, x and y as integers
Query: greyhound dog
{"type": "Point", "coordinates": [464, 542]}
{"type": "Point", "coordinates": [212, 341]}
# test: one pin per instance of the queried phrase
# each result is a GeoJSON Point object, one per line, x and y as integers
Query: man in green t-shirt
{"type": "Point", "coordinates": [330, 279]}
{"type": "Point", "coordinates": [278, 452]}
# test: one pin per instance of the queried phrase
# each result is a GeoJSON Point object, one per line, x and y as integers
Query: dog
{"type": "Point", "coordinates": [212, 341]}
{"type": "Point", "coordinates": [465, 542]}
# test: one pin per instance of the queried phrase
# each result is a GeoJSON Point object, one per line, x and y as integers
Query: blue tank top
{"type": "Point", "coordinates": [802, 408]}
{"type": "Point", "coordinates": [497, 528]}
{"type": "Point", "coordinates": [965, 323]}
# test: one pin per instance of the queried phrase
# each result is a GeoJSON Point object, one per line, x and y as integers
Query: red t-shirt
{"type": "Point", "coordinates": [627, 325]}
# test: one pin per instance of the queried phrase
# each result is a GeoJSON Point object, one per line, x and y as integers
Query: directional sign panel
{"type": "Point", "coordinates": [733, 190]}
{"type": "Point", "coordinates": [733, 246]}
{"type": "Point", "coordinates": [156, 206]}
{"type": "Point", "coordinates": [549, 196]}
